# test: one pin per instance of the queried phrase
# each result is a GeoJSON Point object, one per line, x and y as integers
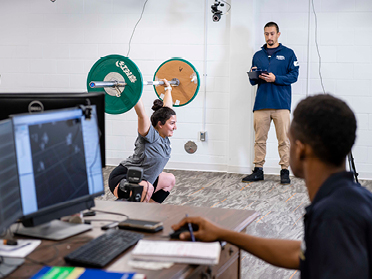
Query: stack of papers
{"type": "Point", "coordinates": [21, 250]}
{"type": "Point", "coordinates": [178, 252]}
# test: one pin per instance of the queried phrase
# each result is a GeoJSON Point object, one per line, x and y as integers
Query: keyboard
{"type": "Point", "coordinates": [103, 249]}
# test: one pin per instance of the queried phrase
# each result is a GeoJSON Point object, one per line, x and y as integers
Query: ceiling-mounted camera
{"type": "Point", "coordinates": [216, 12]}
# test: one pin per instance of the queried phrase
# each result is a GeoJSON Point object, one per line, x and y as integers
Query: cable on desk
{"type": "Point", "coordinates": [16, 230]}
{"type": "Point", "coordinates": [55, 256]}
{"type": "Point", "coordinates": [109, 212]}
{"type": "Point", "coordinates": [102, 220]}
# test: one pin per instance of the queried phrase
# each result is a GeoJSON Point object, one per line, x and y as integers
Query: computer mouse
{"type": "Point", "coordinates": [176, 234]}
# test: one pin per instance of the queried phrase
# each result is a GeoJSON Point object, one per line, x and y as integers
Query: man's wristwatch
{"type": "Point", "coordinates": [168, 88]}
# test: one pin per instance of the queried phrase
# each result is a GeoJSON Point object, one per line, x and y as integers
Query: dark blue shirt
{"type": "Point", "coordinates": [284, 65]}
{"type": "Point", "coordinates": [270, 51]}
{"type": "Point", "coordinates": [338, 231]}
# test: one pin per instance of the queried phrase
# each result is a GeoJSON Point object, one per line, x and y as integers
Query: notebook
{"type": "Point", "coordinates": [178, 252]}
{"type": "Point", "coordinates": [65, 272]}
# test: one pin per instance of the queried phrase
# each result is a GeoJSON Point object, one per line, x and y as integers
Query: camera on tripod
{"type": "Point", "coordinates": [216, 12]}
{"type": "Point", "coordinates": [129, 189]}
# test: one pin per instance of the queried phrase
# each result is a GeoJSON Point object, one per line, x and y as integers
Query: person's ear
{"type": "Point", "coordinates": [300, 150]}
{"type": "Point", "coordinates": [159, 124]}
{"type": "Point", "coordinates": [302, 156]}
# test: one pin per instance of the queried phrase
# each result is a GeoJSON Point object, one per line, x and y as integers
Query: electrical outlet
{"type": "Point", "coordinates": [202, 135]}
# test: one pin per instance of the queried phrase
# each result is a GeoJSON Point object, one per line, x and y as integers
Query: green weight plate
{"type": "Point", "coordinates": [186, 73]}
{"type": "Point", "coordinates": [119, 68]}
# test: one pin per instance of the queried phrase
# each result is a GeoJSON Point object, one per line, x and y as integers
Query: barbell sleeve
{"type": "Point", "coordinates": [101, 84]}
{"type": "Point", "coordinates": [174, 82]}
{"type": "Point", "coordinates": [160, 82]}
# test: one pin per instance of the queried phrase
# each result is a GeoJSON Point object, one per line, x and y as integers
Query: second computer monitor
{"type": "Point", "coordinates": [10, 200]}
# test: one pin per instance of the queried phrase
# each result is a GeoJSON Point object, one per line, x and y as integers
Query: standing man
{"type": "Point", "coordinates": [273, 100]}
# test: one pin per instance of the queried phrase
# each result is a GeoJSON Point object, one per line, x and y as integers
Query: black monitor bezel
{"type": "Point", "coordinates": [51, 99]}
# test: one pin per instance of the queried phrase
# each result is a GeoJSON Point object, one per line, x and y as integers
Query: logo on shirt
{"type": "Point", "coordinates": [280, 57]}
{"type": "Point", "coordinates": [296, 63]}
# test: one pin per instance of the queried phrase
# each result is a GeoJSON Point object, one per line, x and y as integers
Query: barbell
{"type": "Point", "coordinates": [122, 81]}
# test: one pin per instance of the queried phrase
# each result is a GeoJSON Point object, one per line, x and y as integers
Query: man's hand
{"type": "Point", "coordinates": [206, 230]}
{"type": "Point", "coordinates": [269, 77]}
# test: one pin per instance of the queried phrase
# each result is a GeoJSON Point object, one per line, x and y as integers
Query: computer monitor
{"type": "Point", "coordinates": [10, 199]}
{"type": "Point", "coordinates": [59, 169]}
{"type": "Point", "coordinates": [16, 103]}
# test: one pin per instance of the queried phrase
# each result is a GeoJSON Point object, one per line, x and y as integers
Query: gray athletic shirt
{"type": "Point", "coordinates": [151, 153]}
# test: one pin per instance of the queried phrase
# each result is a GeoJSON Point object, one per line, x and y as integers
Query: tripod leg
{"type": "Point", "coordinates": [352, 166]}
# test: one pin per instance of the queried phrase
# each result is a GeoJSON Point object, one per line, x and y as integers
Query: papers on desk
{"type": "Point", "coordinates": [21, 250]}
{"type": "Point", "coordinates": [178, 252]}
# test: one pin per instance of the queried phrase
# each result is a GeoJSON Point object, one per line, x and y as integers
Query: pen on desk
{"type": "Point", "coordinates": [15, 247]}
{"type": "Point", "coordinates": [190, 229]}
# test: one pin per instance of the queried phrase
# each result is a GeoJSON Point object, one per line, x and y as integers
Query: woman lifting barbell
{"type": "Point", "coordinates": [152, 150]}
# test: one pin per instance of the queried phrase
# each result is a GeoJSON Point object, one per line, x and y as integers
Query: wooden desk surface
{"type": "Point", "coordinates": [52, 252]}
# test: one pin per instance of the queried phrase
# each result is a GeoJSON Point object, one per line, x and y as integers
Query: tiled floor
{"type": "Point", "coordinates": [281, 208]}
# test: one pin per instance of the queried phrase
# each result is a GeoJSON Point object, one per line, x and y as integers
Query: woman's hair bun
{"type": "Point", "coordinates": [157, 105]}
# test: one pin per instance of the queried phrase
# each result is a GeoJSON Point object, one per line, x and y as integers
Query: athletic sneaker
{"type": "Point", "coordinates": [256, 175]}
{"type": "Point", "coordinates": [284, 176]}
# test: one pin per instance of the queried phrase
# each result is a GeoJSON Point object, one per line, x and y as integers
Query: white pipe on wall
{"type": "Point", "coordinates": [206, 10]}
{"type": "Point", "coordinates": [308, 50]}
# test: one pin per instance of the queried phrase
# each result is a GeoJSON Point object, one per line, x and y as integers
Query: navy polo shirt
{"type": "Point", "coordinates": [338, 231]}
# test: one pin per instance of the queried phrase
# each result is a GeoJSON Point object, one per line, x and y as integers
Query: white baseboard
{"type": "Point", "coordinates": [113, 161]}
{"type": "Point", "coordinates": [196, 167]}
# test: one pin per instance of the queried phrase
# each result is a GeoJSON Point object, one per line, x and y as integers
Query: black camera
{"type": "Point", "coordinates": [216, 12]}
{"type": "Point", "coordinates": [129, 189]}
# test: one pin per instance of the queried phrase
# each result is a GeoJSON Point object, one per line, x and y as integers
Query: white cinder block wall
{"type": "Point", "coordinates": [46, 46]}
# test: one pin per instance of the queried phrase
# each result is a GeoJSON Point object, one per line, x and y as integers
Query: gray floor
{"type": "Point", "coordinates": [281, 208]}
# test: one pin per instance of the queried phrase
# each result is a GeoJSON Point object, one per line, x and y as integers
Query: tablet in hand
{"type": "Point", "coordinates": [255, 74]}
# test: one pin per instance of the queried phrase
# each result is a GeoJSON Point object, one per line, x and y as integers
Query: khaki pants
{"type": "Point", "coordinates": [262, 120]}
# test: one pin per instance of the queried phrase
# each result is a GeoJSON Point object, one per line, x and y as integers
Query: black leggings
{"type": "Point", "coordinates": [120, 172]}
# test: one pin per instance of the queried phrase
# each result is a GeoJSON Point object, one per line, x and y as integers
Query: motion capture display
{"type": "Point", "coordinates": [58, 157]}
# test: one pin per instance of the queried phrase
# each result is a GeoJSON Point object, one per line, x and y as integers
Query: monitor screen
{"type": "Point", "coordinates": [16, 103]}
{"type": "Point", "coordinates": [58, 163]}
{"type": "Point", "coordinates": [10, 200]}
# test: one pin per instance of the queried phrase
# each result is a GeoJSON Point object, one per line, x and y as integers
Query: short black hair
{"type": "Point", "coordinates": [161, 113]}
{"type": "Point", "coordinates": [327, 124]}
{"type": "Point", "coordinates": [271, 24]}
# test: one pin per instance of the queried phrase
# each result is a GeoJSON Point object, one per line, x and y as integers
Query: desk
{"type": "Point", "coordinates": [229, 267]}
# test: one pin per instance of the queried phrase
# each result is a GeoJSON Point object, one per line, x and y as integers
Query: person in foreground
{"type": "Point", "coordinates": [338, 223]}
{"type": "Point", "coordinates": [152, 151]}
